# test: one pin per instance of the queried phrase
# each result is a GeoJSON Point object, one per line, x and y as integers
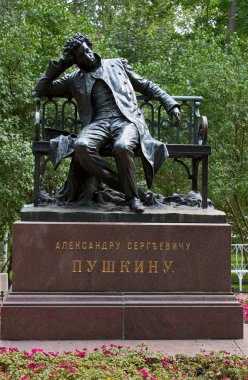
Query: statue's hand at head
{"type": "Point", "coordinates": [68, 58]}
{"type": "Point", "coordinates": [71, 46]}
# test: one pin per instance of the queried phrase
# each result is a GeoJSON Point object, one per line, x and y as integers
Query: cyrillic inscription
{"type": "Point", "coordinates": [91, 246]}
{"type": "Point", "coordinates": [122, 266]}
{"type": "Point", "coordinates": [87, 245]}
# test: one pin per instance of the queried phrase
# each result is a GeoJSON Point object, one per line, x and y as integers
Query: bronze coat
{"type": "Point", "coordinates": [123, 82]}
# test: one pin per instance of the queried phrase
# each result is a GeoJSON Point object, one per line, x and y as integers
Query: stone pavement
{"type": "Point", "coordinates": [170, 347]}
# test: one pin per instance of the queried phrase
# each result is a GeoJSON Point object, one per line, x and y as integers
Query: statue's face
{"type": "Point", "coordinates": [84, 57]}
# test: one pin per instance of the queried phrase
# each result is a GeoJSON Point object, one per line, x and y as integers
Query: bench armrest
{"type": "Point", "coordinates": [203, 131]}
{"type": "Point", "coordinates": [37, 119]}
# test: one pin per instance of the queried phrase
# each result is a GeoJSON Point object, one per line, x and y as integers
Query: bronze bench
{"type": "Point", "coordinates": [186, 140]}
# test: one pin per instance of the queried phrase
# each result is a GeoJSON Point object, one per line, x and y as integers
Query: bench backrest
{"type": "Point", "coordinates": [61, 114]}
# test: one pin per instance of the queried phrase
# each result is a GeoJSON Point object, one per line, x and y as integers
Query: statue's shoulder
{"type": "Point", "coordinates": [112, 61]}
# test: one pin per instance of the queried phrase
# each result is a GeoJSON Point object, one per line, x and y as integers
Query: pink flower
{"type": "Point", "coordinates": [34, 350]}
{"type": "Point", "coordinates": [32, 365]}
{"type": "Point", "coordinates": [245, 310]}
{"type": "Point", "coordinates": [62, 365]}
{"type": "Point", "coordinates": [72, 369]}
{"type": "Point", "coordinates": [144, 373]}
{"type": "Point", "coordinates": [107, 352]}
{"type": "Point", "coordinates": [73, 363]}
{"type": "Point", "coordinates": [175, 368]}
{"type": "Point", "coordinates": [28, 355]}
{"type": "Point", "coordinates": [165, 363]}
{"type": "Point", "coordinates": [24, 378]}
{"type": "Point", "coordinates": [53, 354]}
{"type": "Point", "coordinates": [41, 365]}
{"type": "Point", "coordinates": [13, 349]}
{"type": "Point", "coordinates": [80, 354]}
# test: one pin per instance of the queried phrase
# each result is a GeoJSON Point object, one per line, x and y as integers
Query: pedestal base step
{"type": "Point", "coordinates": [131, 316]}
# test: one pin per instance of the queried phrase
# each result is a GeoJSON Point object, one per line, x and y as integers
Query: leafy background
{"type": "Point", "coordinates": [190, 47]}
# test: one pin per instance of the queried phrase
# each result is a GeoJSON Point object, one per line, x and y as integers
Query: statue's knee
{"type": "Point", "coordinates": [81, 146]}
{"type": "Point", "coordinates": [120, 148]}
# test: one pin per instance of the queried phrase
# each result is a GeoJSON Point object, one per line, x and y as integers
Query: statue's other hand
{"type": "Point", "coordinates": [175, 112]}
{"type": "Point", "coordinates": [67, 60]}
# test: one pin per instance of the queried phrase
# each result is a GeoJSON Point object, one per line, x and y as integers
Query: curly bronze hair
{"type": "Point", "coordinates": [75, 41]}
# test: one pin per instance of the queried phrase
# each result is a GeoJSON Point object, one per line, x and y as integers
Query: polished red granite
{"type": "Point", "coordinates": [121, 316]}
{"type": "Point", "coordinates": [121, 280]}
{"type": "Point", "coordinates": [121, 257]}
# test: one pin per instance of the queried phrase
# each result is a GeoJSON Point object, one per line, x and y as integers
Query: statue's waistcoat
{"type": "Point", "coordinates": [111, 72]}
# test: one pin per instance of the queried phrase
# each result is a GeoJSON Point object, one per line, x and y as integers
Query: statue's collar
{"type": "Point", "coordinates": [98, 64]}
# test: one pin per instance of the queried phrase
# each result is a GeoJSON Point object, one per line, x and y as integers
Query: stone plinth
{"type": "Point", "coordinates": [159, 275]}
{"type": "Point", "coordinates": [121, 316]}
{"type": "Point", "coordinates": [121, 257]}
{"type": "Point", "coordinates": [151, 215]}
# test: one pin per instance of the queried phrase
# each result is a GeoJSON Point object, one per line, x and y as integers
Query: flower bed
{"type": "Point", "coordinates": [245, 308]}
{"type": "Point", "coordinates": [116, 362]}
{"type": "Point", "coordinates": [244, 303]}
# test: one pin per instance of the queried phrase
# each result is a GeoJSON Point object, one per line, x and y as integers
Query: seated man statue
{"type": "Point", "coordinates": [104, 90]}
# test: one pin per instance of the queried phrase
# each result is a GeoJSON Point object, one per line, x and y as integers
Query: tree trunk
{"type": "Point", "coordinates": [231, 26]}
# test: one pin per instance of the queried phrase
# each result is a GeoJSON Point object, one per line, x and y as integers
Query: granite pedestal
{"type": "Point", "coordinates": [89, 274]}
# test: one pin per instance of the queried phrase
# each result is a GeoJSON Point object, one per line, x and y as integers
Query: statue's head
{"type": "Point", "coordinates": [80, 46]}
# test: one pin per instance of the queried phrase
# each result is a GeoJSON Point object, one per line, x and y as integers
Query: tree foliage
{"type": "Point", "coordinates": [31, 32]}
{"type": "Point", "coordinates": [188, 47]}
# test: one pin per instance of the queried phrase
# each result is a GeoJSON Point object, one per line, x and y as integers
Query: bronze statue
{"type": "Point", "coordinates": [104, 90]}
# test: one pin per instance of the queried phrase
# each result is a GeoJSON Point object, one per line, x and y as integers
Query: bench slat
{"type": "Point", "coordinates": [175, 150]}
